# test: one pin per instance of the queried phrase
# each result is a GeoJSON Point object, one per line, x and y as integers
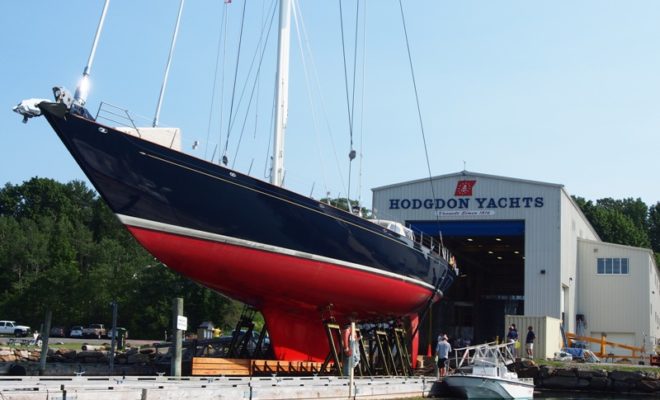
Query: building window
{"type": "Point", "coordinates": [612, 266]}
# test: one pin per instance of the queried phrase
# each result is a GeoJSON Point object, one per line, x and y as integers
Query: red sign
{"type": "Point", "coordinates": [464, 188]}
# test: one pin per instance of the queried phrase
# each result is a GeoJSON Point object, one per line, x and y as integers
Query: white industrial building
{"type": "Point", "coordinates": [619, 292]}
{"type": "Point", "coordinates": [525, 248]}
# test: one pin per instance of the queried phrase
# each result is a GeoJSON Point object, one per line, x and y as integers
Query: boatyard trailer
{"type": "Point", "coordinates": [522, 248]}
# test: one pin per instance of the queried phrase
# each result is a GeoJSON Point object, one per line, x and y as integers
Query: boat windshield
{"type": "Point", "coordinates": [396, 227]}
{"type": "Point", "coordinates": [486, 361]}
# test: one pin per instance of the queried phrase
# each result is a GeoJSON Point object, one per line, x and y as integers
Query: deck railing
{"type": "Point", "coordinates": [434, 246]}
{"type": "Point", "coordinates": [116, 115]}
{"type": "Point", "coordinates": [466, 355]}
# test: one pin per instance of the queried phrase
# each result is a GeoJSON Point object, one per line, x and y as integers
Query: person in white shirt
{"type": "Point", "coordinates": [442, 350]}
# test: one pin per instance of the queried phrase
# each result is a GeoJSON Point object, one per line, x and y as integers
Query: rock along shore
{"type": "Point", "coordinates": [592, 378]}
{"type": "Point", "coordinates": [93, 360]}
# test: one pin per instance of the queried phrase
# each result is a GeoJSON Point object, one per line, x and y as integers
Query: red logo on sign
{"type": "Point", "coordinates": [464, 188]}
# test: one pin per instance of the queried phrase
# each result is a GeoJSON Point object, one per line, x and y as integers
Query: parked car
{"type": "Point", "coordinates": [57, 331]}
{"type": "Point", "coordinates": [252, 341]}
{"type": "Point", "coordinates": [12, 328]}
{"type": "Point", "coordinates": [95, 331]}
{"type": "Point", "coordinates": [119, 330]}
{"type": "Point", "coordinates": [76, 331]}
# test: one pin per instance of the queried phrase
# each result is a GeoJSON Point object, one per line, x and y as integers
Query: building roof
{"type": "Point", "coordinates": [622, 246]}
{"type": "Point", "coordinates": [466, 173]}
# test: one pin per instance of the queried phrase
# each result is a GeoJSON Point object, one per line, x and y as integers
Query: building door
{"type": "Point", "coordinates": [564, 302]}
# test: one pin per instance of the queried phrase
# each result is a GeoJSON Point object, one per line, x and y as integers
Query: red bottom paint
{"type": "Point", "coordinates": [289, 291]}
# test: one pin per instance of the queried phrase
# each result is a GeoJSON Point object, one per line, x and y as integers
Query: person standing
{"type": "Point", "coordinates": [512, 338]}
{"type": "Point", "coordinates": [529, 342]}
{"type": "Point", "coordinates": [442, 350]}
{"type": "Point", "coordinates": [351, 350]}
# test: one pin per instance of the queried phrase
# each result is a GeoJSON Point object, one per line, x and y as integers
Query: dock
{"type": "Point", "coordinates": [202, 388]}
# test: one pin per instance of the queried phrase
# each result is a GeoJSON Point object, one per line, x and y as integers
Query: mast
{"type": "Point", "coordinates": [282, 93]}
{"type": "Point", "coordinates": [80, 97]}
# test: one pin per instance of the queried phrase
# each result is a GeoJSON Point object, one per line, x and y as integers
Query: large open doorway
{"type": "Point", "coordinates": [491, 282]}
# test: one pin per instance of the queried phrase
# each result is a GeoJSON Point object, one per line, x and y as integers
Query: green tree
{"type": "Point", "coordinates": [62, 249]}
{"type": "Point", "coordinates": [654, 230]}
{"type": "Point", "coordinates": [618, 221]}
{"type": "Point", "coordinates": [635, 209]}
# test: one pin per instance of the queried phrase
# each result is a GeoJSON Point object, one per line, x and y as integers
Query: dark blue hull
{"type": "Point", "coordinates": [287, 255]}
{"type": "Point", "coordinates": [141, 179]}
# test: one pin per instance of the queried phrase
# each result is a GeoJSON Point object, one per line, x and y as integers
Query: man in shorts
{"type": "Point", "coordinates": [529, 342]}
{"type": "Point", "coordinates": [442, 352]}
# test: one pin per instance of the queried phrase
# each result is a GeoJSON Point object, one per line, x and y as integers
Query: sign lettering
{"type": "Point", "coordinates": [481, 203]}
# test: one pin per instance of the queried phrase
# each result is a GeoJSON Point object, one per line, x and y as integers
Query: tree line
{"type": "Point", "coordinates": [61, 248]}
{"type": "Point", "coordinates": [628, 221]}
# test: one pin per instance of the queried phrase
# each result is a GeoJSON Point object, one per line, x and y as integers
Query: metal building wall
{"type": "Point", "coordinates": [559, 241]}
{"type": "Point", "coordinates": [623, 306]}
{"type": "Point", "coordinates": [547, 331]}
{"type": "Point", "coordinates": [542, 224]}
{"type": "Point", "coordinates": [574, 226]}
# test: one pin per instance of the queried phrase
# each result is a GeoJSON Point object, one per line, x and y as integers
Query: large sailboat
{"type": "Point", "coordinates": [285, 254]}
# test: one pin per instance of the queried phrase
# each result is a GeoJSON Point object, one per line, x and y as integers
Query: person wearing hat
{"type": "Point", "coordinates": [442, 350]}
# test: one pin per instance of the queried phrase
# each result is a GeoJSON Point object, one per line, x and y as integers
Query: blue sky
{"type": "Point", "coordinates": [554, 91]}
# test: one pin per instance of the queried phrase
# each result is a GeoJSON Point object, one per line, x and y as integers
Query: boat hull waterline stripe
{"type": "Point", "coordinates": [178, 230]}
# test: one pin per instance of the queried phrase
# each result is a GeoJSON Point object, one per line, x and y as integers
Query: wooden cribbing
{"type": "Point", "coordinates": [245, 367]}
{"type": "Point", "coordinates": [220, 366]}
{"type": "Point", "coordinates": [286, 367]}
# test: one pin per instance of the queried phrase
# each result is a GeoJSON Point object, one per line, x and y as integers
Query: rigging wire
{"type": "Point", "coordinates": [303, 31]}
{"type": "Point", "coordinates": [215, 77]}
{"type": "Point", "coordinates": [252, 64]}
{"type": "Point", "coordinates": [350, 103]}
{"type": "Point", "coordinates": [351, 153]}
{"type": "Point", "coordinates": [218, 146]}
{"type": "Point", "coordinates": [256, 110]}
{"type": "Point", "coordinates": [222, 83]}
{"type": "Point", "coordinates": [167, 66]}
{"type": "Point", "coordinates": [262, 40]}
{"type": "Point", "coordinates": [419, 110]}
{"type": "Point", "coordinates": [233, 94]}
{"type": "Point", "coordinates": [355, 49]}
{"type": "Point", "coordinates": [269, 159]}
{"type": "Point", "coordinates": [363, 68]}
{"type": "Point", "coordinates": [267, 170]}
{"type": "Point", "coordinates": [427, 308]}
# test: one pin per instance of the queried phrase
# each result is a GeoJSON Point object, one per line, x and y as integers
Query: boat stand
{"type": "Point", "coordinates": [365, 366]}
{"type": "Point", "coordinates": [383, 350]}
{"type": "Point", "coordinates": [388, 353]}
{"type": "Point", "coordinates": [259, 350]}
{"type": "Point", "coordinates": [400, 340]}
{"type": "Point", "coordinates": [333, 334]}
{"type": "Point", "coordinates": [239, 345]}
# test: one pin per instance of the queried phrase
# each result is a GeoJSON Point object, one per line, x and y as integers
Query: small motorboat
{"type": "Point", "coordinates": [482, 373]}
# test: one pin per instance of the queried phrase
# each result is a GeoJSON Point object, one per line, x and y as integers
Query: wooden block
{"type": "Point", "coordinates": [221, 366]}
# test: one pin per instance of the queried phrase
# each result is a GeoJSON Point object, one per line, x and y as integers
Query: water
{"type": "Point", "coordinates": [588, 396]}
{"type": "Point", "coordinates": [575, 396]}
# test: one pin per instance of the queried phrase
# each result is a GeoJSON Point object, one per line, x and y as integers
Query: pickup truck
{"type": "Point", "coordinates": [11, 328]}
{"type": "Point", "coordinates": [94, 330]}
